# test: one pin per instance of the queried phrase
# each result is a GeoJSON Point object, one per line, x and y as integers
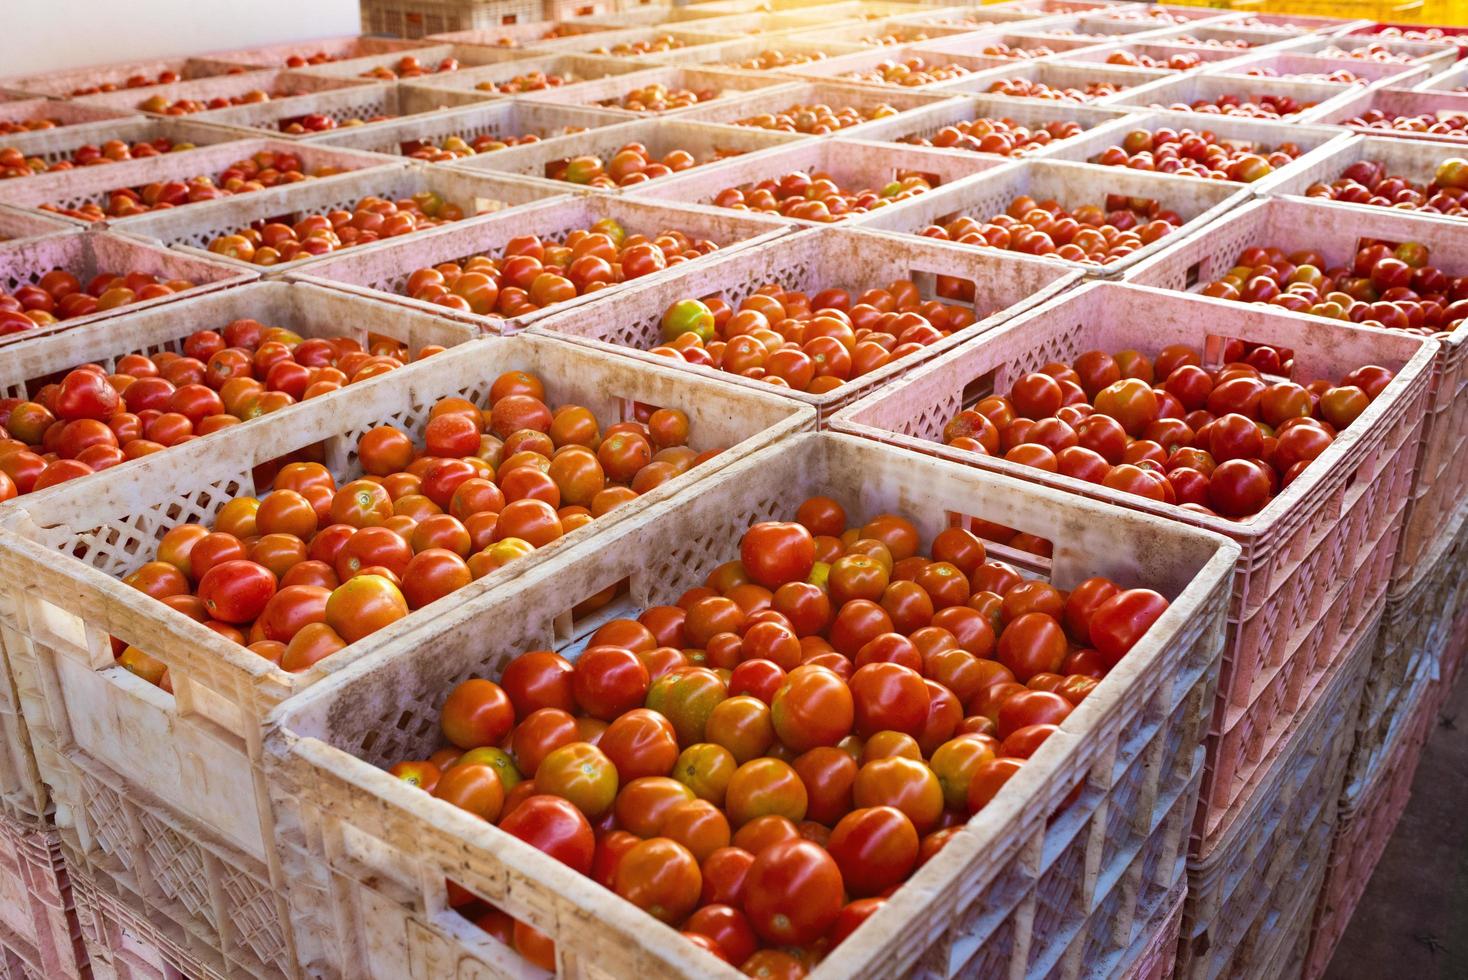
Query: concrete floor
{"type": "Point", "coordinates": [1413, 920]}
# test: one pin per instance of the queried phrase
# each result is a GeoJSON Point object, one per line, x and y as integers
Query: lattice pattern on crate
{"type": "Point", "coordinates": [497, 119]}
{"type": "Point", "coordinates": [1029, 113]}
{"type": "Point", "coordinates": [177, 867]}
{"type": "Point", "coordinates": [344, 107]}
{"type": "Point", "coordinates": [1061, 897]}
{"type": "Point", "coordinates": [108, 823]}
{"type": "Point", "coordinates": [254, 918]}
{"type": "Point", "coordinates": [412, 418]}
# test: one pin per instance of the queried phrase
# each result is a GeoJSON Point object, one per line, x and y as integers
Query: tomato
{"type": "Point", "coordinates": [955, 762]}
{"type": "Point", "coordinates": [741, 724]}
{"type": "Point", "coordinates": [1121, 620]}
{"type": "Point", "coordinates": [540, 732]}
{"type": "Point", "coordinates": [610, 848]}
{"type": "Point", "coordinates": [424, 775]}
{"type": "Point", "coordinates": [1132, 402]}
{"type": "Point", "coordinates": [1024, 742]}
{"type": "Point", "coordinates": [989, 779]}
{"type": "Point", "coordinates": [724, 873]}
{"type": "Point", "coordinates": [857, 622]}
{"type": "Point", "coordinates": [945, 712]}
{"type": "Point", "coordinates": [364, 604]}
{"type": "Point", "coordinates": [774, 553]}
{"type": "Point", "coordinates": [555, 826]}
{"type": "Point", "coordinates": [875, 848]}
{"type": "Point", "coordinates": [856, 576]}
{"type": "Point", "coordinates": [477, 712]}
{"type": "Point", "coordinates": [237, 591]}
{"type": "Point", "coordinates": [1238, 488]}
{"type": "Point", "coordinates": [361, 503]}
{"type": "Point", "coordinates": [581, 773]}
{"type": "Point", "coordinates": [312, 643]}
{"type": "Point", "coordinates": [793, 893]}
{"type": "Point", "coordinates": [643, 804]}
{"type": "Point", "coordinates": [822, 515]}
{"type": "Point", "coordinates": [497, 759]}
{"type": "Point", "coordinates": [813, 707]}
{"type": "Point", "coordinates": [539, 679]}
{"type": "Point", "coordinates": [698, 825]}
{"type": "Point", "coordinates": [640, 743]}
{"type": "Point", "coordinates": [292, 608]}
{"type": "Point", "coordinates": [537, 948]}
{"type": "Point", "coordinates": [474, 788]}
{"type": "Point", "coordinates": [1032, 644]}
{"type": "Point", "coordinates": [759, 678]}
{"type": "Point", "coordinates": [1027, 708]}
{"type": "Point", "coordinates": [906, 784]}
{"type": "Point", "coordinates": [969, 627]}
{"type": "Point", "coordinates": [828, 774]}
{"type": "Point", "coordinates": [706, 769]}
{"type": "Point", "coordinates": [765, 786]}
{"type": "Point", "coordinates": [888, 696]}
{"type": "Point", "coordinates": [853, 914]}
{"type": "Point", "coordinates": [609, 681]}
{"type": "Point", "coordinates": [728, 928]}
{"type": "Point", "coordinates": [1081, 605]}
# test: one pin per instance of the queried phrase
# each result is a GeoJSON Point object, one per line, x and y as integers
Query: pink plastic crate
{"type": "Point", "coordinates": [1213, 60]}
{"type": "Point", "coordinates": [1159, 955]}
{"type": "Point", "coordinates": [38, 920]}
{"type": "Point", "coordinates": [87, 253]}
{"type": "Point", "coordinates": [335, 48]}
{"type": "Point", "coordinates": [620, 44]}
{"type": "Point", "coordinates": [537, 34]}
{"type": "Point", "coordinates": [849, 68]}
{"type": "Point", "coordinates": [1454, 79]}
{"type": "Point", "coordinates": [501, 118]}
{"type": "Point", "coordinates": [607, 93]}
{"type": "Point", "coordinates": [429, 57]}
{"type": "Point", "coordinates": [837, 95]}
{"type": "Point", "coordinates": [359, 108]}
{"type": "Point", "coordinates": [1414, 160]}
{"type": "Point", "coordinates": [1336, 524]}
{"type": "Point", "coordinates": [810, 261]}
{"type": "Point", "coordinates": [1026, 41]}
{"type": "Point", "coordinates": [1433, 55]}
{"type": "Point", "coordinates": [418, 18]}
{"type": "Point", "coordinates": [56, 146]}
{"type": "Point", "coordinates": [571, 68]}
{"type": "Point", "coordinates": [27, 115]}
{"type": "Point", "coordinates": [382, 271]}
{"type": "Point", "coordinates": [1030, 113]}
{"type": "Point", "coordinates": [278, 84]}
{"type": "Point", "coordinates": [743, 54]}
{"type": "Point", "coordinates": [1334, 231]}
{"type": "Point", "coordinates": [1059, 75]}
{"type": "Point", "coordinates": [27, 224]}
{"type": "Point", "coordinates": [1310, 68]}
{"type": "Point", "coordinates": [1180, 91]}
{"type": "Point", "coordinates": [1395, 103]}
{"type": "Point", "coordinates": [72, 81]}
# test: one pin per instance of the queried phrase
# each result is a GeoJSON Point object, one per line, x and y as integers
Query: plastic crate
{"type": "Point", "coordinates": [836, 95]}
{"type": "Point", "coordinates": [1432, 55]}
{"type": "Point", "coordinates": [351, 108]}
{"type": "Point", "coordinates": [527, 34]}
{"type": "Point", "coordinates": [1213, 60]}
{"type": "Point", "coordinates": [1179, 91]}
{"type": "Point", "coordinates": [571, 67]}
{"type": "Point", "coordinates": [1017, 893]}
{"type": "Point", "coordinates": [503, 118]}
{"type": "Point", "coordinates": [1251, 900]}
{"type": "Point", "coordinates": [1159, 954]}
{"type": "Point", "coordinates": [192, 773]}
{"type": "Point", "coordinates": [15, 224]}
{"type": "Point", "coordinates": [1056, 74]}
{"type": "Point", "coordinates": [908, 29]}
{"type": "Point", "coordinates": [810, 261]}
{"type": "Point", "coordinates": [1336, 524]}
{"type": "Point", "coordinates": [1309, 67]}
{"type": "Point", "coordinates": [382, 271]}
{"type": "Point", "coordinates": [708, 143]}
{"type": "Point", "coordinates": [1019, 36]}
{"type": "Point", "coordinates": [1415, 160]}
{"type": "Point", "coordinates": [600, 43]}
{"type": "Point", "coordinates": [848, 67]}
{"type": "Point", "coordinates": [1335, 231]}
{"type": "Point", "coordinates": [278, 84]}
{"type": "Point", "coordinates": [1363, 829]}
{"type": "Point", "coordinates": [851, 163]}
{"type": "Point", "coordinates": [1297, 23]}
{"type": "Point", "coordinates": [86, 253]}
{"type": "Point", "coordinates": [38, 924]}
{"type": "Point", "coordinates": [724, 84]}
{"type": "Point", "coordinates": [1395, 102]}
{"type": "Point", "coordinates": [190, 230]}
{"type": "Point", "coordinates": [57, 116]}
{"type": "Point", "coordinates": [1454, 79]}
{"type": "Point", "coordinates": [419, 18]}
{"type": "Point", "coordinates": [728, 55]}
{"type": "Point", "coordinates": [55, 145]}
{"type": "Point", "coordinates": [576, 9]}
{"type": "Point", "coordinates": [1197, 200]}
{"type": "Point", "coordinates": [338, 48]}
{"type": "Point", "coordinates": [1255, 38]}
{"type": "Point", "coordinates": [92, 185]}
{"type": "Point", "coordinates": [62, 84]}
{"type": "Point", "coordinates": [1031, 113]}
{"type": "Point", "coordinates": [429, 55]}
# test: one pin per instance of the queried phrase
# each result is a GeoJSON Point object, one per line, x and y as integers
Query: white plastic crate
{"type": "Point", "coordinates": [351, 108]}
{"type": "Point", "coordinates": [502, 118]}
{"type": "Point", "coordinates": [853, 164]}
{"type": "Point", "coordinates": [602, 44]}
{"type": "Point", "coordinates": [15, 224]}
{"type": "Point", "coordinates": [1415, 160]}
{"type": "Point", "coordinates": [39, 934]}
{"type": "Point", "coordinates": [730, 55]}
{"type": "Point", "coordinates": [722, 85]}
{"type": "Point", "coordinates": [429, 56]}
{"type": "Point", "coordinates": [1020, 36]}
{"type": "Point", "coordinates": [834, 94]}
{"type": "Point", "coordinates": [56, 145]}
{"type": "Point", "coordinates": [1256, 38]}
{"type": "Point", "coordinates": [535, 34]}
{"type": "Point", "coordinates": [1179, 92]}
{"type": "Point", "coordinates": [382, 270]}
{"type": "Point", "coordinates": [1395, 102]}
{"type": "Point", "coordinates": [1196, 200]}
{"type": "Point", "coordinates": [708, 143]}
{"type": "Point", "coordinates": [87, 253]}
{"type": "Point", "coordinates": [351, 46]}
{"type": "Point", "coordinates": [419, 18]}
{"type": "Point", "coordinates": [190, 230]}
{"type": "Point", "coordinates": [1309, 67]}
{"type": "Point", "coordinates": [1433, 55]}
{"type": "Point", "coordinates": [1017, 894]}
{"type": "Point", "coordinates": [278, 84]}
{"type": "Point", "coordinates": [571, 68]}
{"type": "Point", "coordinates": [71, 189]}
{"type": "Point", "coordinates": [1032, 113]}
{"type": "Point", "coordinates": [1454, 79]}
{"type": "Point", "coordinates": [1058, 75]}
{"type": "Point", "coordinates": [65, 83]}
{"type": "Point", "coordinates": [1006, 284]}
{"type": "Point", "coordinates": [848, 67]}
{"type": "Point", "coordinates": [907, 29]}
{"type": "Point", "coordinates": [1213, 60]}
{"type": "Point", "coordinates": [52, 116]}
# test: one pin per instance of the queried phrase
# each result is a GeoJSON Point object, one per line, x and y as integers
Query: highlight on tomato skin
{"type": "Point", "coordinates": [313, 565]}
{"type": "Point", "coordinates": [761, 763]}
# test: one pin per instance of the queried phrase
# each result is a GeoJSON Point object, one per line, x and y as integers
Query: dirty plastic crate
{"type": "Point", "coordinates": [1317, 143]}
{"type": "Point", "coordinates": [709, 144]}
{"type": "Point", "coordinates": [1362, 831]}
{"type": "Point", "coordinates": [724, 84]}
{"type": "Point", "coordinates": [190, 230]}
{"type": "Point", "coordinates": [86, 253]}
{"type": "Point", "coordinates": [852, 163]}
{"type": "Point", "coordinates": [190, 780]}
{"type": "Point", "coordinates": [1395, 102]}
{"type": "Point", "coordinates": [93, 185]}
{"type": "Point", "coordinates": [1336, 524]}
{"type": "Point", "coordinates": [1197, 200]}
{"type": "Point", "coordinates": [58, 116]}
{"type": "Point", "coordinates": [351, 108]}
{"type": "Point", "coordinates": [55, 145]}
{"type": "Point", "coordinates": [122, 943]}
{"type": "Point", "coordinates": [38, 922]}
{"type": "Point", "coordinates": [1059, 75]}
{"type": "Point", "coordinates": [1308, 67]}
{"type": "Point", "coordinates": [848, 67]}
{"type": "Point", "coordinates": [279, 84]}
{"type": "Point", "coordinates": [65, 83]}
{"type": "Point", "coordinates": [1017, 894]}
{"type": "Point", "coordinates": [339, 48]}
{"type": "Point", "coordinates": [15, 224]}
{"type": "Point", "coordinates": [502, 118]}
{"type": "Point", "coordinates": [729, 54]}
{"type": "Point", "coordinates": [810, 261]}
{"type": "Point", "coordinates": [381, 271]}
{"type": "Point", "coordinates": [1179, 91]}
{"type": "Point", "coordinates": [572, 67]}
{"type": "Point", "coordinates": [1251, 899]}
{"type": "Point", "coordinates": [834, 94]}
{"type": "Point", "coordinates": [1335, 231]}
{"type": "Point", "coordinates": [1159, 954]}
{"type": "Point", "coordinates": [1031, 113]}
{"type": "Point", "coordinates": [1416, 160]}
{"type": "Point", "coordinates": [419, 18]}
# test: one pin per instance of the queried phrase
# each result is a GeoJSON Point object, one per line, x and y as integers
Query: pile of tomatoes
{"type": "Point", "coordinates": [633, 49]}
{"type": "Point", "coordinates": [457, 147]}
{"type": "Point", "coordinates": [1224, 441]}
{"type": "Point", "coordinates": [775, 58]}
{"type": "Point", "coordinates": [164, 106]}
{"type": "Point", "coordinates": [9, 127]}
{"type": "Point", "coordinates": [1184, 61]}
{"type": "Point", "coordinates": [1024, 88]}
{"type": "Point", "coordinates": [658, 97]}
{"type": "Point", "coordinates": [165, 77]}
{"type": "Point", "coordinates": [1386, 285]}
{"type": "Point", "coordinates": [1002, 136]}
{"type": "Point", "coordinates": [410, 67]}
{"type": "Point", "coordinates": [1454, 124]}
{"type": "Point", "coordinates": [92, 419]}
{"type": "Point", "coordinates": [817, 119]}
{"type": "Point", "coordinates": [910, 72]}
{"type": "Point", "coordinates": [816, 196]}
{"type": "Point", "coordinates": [1017, 52]}
{"type": "Point", "coordinates": [631, 164]}
{"type": "Point", "coordinates": [1367, 182]}
{"type": "Point", "coordinates": [369, 220]}
{"type": "Point", "coordinates": [312, 567]}
{"type": "Point", "coordinates": [1090, 234]}
{"type": "Point", "coordinates": [533, 81]}
{"type": "Point", "coordinates": [58, 295]}
{"type": "Point", "coordinates": [14, 163]}
{"type": "Point", "coordinates": [268, 168]}
{"type": "Point", "coordinates": [1339, 76]}
{"type": "Point", "coordinates": [1196, 152]}
{"type": "Point", "coordinates": [316, 122]}
{"type": "Point", "coordinates": [1264, 106]}
{"type": "Point", "coordinates": [763, 763]}
{"type": "Point", "coordinates": [1375, 51]}
{"type": "Point", "coordinates": [812, 343]}
{"type": "Point", "coordinates": [531, 273]}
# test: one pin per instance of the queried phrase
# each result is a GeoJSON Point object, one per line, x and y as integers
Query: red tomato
{"type": "Point", "coordinates": [793, 893]}
{"type": "Point", "coordinates": [875, 848]}
{"type": "Point", "coordinates": [1032, 644]}
{"type": "Point", "coordinates": [539, 679]}
{"type": "Point", "coordinates": [888, 696]}
{"type": "Point", "coordinates": [661, 877]}
{"type": "Point", "coordinates": [237, 591]}
{"type": "Point", "coordinates": [555, 826]}
{"type": "Point", "coordinates": [814, 707]}
{"type": "Point", "coordinates": [1120, 621]}
{"type": "Point", "coordinates": [609, 681]}
{"type": "Point", "coordinates": [477, 712]}
{"type": "Point", "coordinates": [774, 553]}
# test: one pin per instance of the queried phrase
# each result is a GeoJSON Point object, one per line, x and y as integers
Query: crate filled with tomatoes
{"type": "Point", "coordinates": [186, 98]}
{"type": "Point", "coordinates": [1417, 176]}
{"type": "Point", "coordinates": [20, 115]}
{"type": "Point", "coordinates": [320, 51]}
{"type": "Point", "coordinates": [53, 282]}
{"type": "Point", "coordinates": [784, 316]}
{"type": "Point", "coordinates": [1438, 117]}
{"type": "Point", "coordinates": [811, 107]}
{"type": "Point", "coordinates": [108, 141]}
{"type": "Point", "coordinates": [509, 271]}
{"type": "Point", "coordinates": [153, 640]}
{"type": "Point", "coordinates": [1328, 504]}
{"type": "Point", "coordinates": [666, 89]}
{"type": "Point", "coordinates": [72, 83]}
{"type": "Point", "coordinates": [992, 124]}
{"type": "Point", "coordinates": [766, 799]}
{"type": "Point", "coordinates": [15, 224]}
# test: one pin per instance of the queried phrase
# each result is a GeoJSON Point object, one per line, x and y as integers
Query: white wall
{"type": "Point", "coordinates": [41, 35]}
